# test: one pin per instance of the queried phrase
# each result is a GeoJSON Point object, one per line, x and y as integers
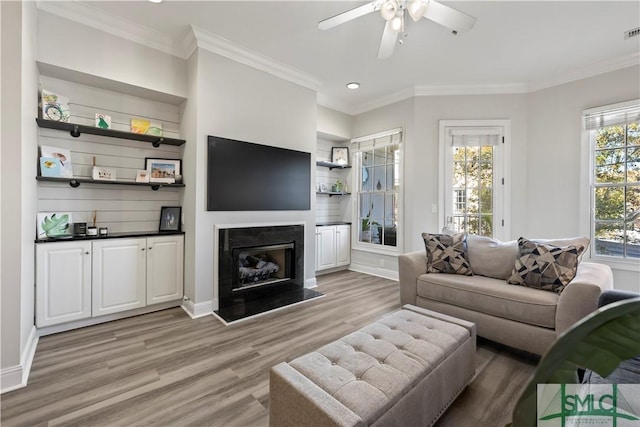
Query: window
{"type": "Point", "coordinates": [473, 176]}
{"type": "Point", "coordinates": [614, 135]}
{"type": "Point", "coordinates": [378, 190]}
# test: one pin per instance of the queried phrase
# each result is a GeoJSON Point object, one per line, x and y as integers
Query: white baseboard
{"type": "Point", "coordinates": [375, 271]}
{"type": "Point", "coordinates": [311, 283]}
{"type": "Point", "coordinates": [200, 309]}
{"type": "Point", "coordinates": [54, 329]}
{"type": "Point", "coordinates": [16, 377]}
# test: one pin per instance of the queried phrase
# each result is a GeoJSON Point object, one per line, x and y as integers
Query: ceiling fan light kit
{"type": "Point", "coordinates": [388, 9]}
{"type": "Point", "coordinates": [416, 9]}
{"type": "Point", "coordinates": [397, 22]}
{"type": "Point", "coordinates": [392, 11]}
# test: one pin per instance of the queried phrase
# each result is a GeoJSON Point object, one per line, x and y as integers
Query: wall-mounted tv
{"type": "Point", "coordinates": [243, 176]}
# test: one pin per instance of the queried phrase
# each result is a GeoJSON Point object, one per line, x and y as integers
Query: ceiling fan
{"type": "Point", "coordinates": [393, 12]}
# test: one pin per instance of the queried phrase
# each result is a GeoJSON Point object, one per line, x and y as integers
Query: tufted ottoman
{"type": "Point", "coordinates": [404, 370]}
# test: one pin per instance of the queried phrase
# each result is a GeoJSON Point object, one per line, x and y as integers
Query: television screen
{"type": "Point", "coordinates": [243, 176]}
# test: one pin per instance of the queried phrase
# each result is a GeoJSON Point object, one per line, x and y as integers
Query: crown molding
{"type": "Point", "coordinates": [102, 21]}
{"type": "Point", "coordinates": [588, 71]}
{"type": "Point", "coordinates": [492, 89]}
{"type": "Point", "coordinates": [241, 54]}
{"type": "Point", "coordinates": [488, 89]}
{"type": "Point", "coordinates": [332, 104]}
{"type": "Point", "coordinates": [392, 98]}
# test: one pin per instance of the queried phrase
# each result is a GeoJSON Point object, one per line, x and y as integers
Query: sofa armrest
{"type": "Point", "coordinates": [580, 296]}
{"type": "Point", "coordinates": [410, 266]}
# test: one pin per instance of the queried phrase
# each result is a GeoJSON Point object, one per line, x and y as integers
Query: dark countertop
{"type": "Point", "coordinates": [324, 224]}
{"type": "Point", "coordinates": [111, 236]}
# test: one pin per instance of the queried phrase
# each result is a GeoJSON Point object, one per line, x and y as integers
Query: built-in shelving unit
{"type": "Point", "coordinates": [75, 182]}
{"type": "Point", "coordinates": [76, 130]}
{"type": "Point", "coordinates": [332, 165]}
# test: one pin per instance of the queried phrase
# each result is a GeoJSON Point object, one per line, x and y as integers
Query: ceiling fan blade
{"type": "Point", "coordinates": [347, 16]}
{"type": "Point", "coordinates": [388, 42]}
{"type": "Point", "coordinates": [449, 17]}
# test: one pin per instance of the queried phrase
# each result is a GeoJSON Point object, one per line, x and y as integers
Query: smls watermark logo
{"type": "Point", "coordinates": [593, 405]}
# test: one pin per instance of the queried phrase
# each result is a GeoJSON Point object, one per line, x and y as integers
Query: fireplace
{"type": "Point", "coordinates": [259, 269]}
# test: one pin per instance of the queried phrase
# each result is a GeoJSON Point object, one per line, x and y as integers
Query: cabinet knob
{"type": "Point", "coordinates": [150, 248]}
{"type": "Point", "coordinates": [87, 253]}
{"type": "Point", "coordinates": [143, 249]}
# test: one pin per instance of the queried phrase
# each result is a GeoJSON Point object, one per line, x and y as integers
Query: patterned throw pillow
{"type": "Point", "coordinates": [544, 266]}
{"type": "Point", "coordinates": [446, 254]}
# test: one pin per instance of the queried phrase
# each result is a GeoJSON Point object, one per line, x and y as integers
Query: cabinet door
{"type": "Point", "coordinates": [326, 247]}
{"type": "Point", "coordinates": [63, 282]}
{"type": "Point", "coordinates": [119, 275]}
{"type": "Point", "coordinates": [343, 245]}
{"type": "Point", "coordinates": [165, 268]}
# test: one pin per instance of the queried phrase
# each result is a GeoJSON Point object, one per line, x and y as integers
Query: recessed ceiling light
{"type": "Point", "coordinates": [155, 1]}
{"type": "Point", "coordinates": [353, 85]}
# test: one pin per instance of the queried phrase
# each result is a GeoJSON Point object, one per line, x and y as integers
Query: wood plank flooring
{"type": "Point", "coordinates": [164, 369]}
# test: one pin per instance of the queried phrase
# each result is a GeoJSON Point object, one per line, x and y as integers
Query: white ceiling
{"type": "Point", "coordinates": [515, 46]}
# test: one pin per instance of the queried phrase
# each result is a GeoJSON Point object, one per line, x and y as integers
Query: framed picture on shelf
{"type": "Point", "coordinates": [103, 121]}
{"type": "Point", "coordinates": [146, 127]}
{"type": "Point", "coordinates": [142, 176]}
{"type": "Point", "coordinates": [100, 173]}
{"type": "Point", "coordinates": [163, 170]}
{"type": "Point", "coordinates": [340, 155]}
{"type": "Point", "coordinates": [50, 166]}
{"type": "Point", "coordinates": [170, 218]}
{"type": "Point", "coordinates": [63, 155]}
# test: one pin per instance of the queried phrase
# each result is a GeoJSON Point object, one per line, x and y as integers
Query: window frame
{"type": "Point", "coordinates": [357, 168]}
{"type": "Point", "coordinates": [589, 186]}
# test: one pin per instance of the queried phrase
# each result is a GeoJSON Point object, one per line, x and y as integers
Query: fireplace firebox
{"type": "Point", "coordinates": [260, 269]}
{"type": "Point", "coordinates": [262, 265]}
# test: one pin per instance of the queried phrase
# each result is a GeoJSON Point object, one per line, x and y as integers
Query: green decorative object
{"type": "Point", "coordinates": [55, 226]}
{"type": "Point", "coordinates": [598, 342]}
{"type": "Point", "coordinates": [103, 121]}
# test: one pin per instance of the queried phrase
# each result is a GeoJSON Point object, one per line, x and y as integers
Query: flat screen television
{"type": "Point", "coordinates": [243, 176]}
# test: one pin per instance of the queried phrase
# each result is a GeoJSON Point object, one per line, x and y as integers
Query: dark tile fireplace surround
{"type": "Point", "coordinates": [260, 269]}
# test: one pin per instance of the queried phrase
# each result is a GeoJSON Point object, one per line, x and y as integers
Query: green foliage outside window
{"type": "Point", "coordinates": [473, 190]}
{"type": "Point", "coordinates": [617, 191]}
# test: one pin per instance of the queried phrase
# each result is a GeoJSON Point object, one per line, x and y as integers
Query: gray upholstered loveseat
{"type": "Point", "coordinates": [521, 317]}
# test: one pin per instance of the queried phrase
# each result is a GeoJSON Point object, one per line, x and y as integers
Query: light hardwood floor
{"type": "Point", "coordinates": [164, 369]}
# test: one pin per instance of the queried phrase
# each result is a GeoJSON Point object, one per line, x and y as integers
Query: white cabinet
{"type": "Point", "coordinates": [325, 247]}
{"type": "Point", "coordinates": [81, 279]}
{"type": "Point", "coordinates": [165, 268]}
{"type": "Point", "coordinates": [118, 275]}
{"type": "Point", "coordinates": [333, 246]}
{"type": "Point", "coordinates": [343, 245]}
{"type": "Point", "coordinates": [63, 282]}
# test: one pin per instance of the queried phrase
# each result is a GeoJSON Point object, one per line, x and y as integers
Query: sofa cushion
{"type": "Point", "coordinates": [581, 243]}
{"type": "Point", "coordinates": [544, 266]}
{"type": "Point", "coordinates": [491, 296]}
{"type": "Point", "coordinates": [446, 254]}
{"type": "Point", "coordinates": [490, 257]}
